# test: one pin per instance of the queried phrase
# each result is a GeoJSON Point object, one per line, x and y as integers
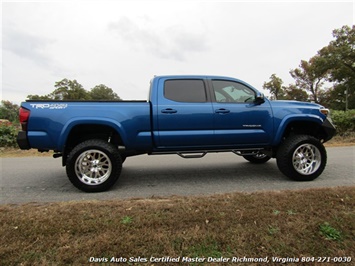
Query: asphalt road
{"type": "Point", "coordinates": [38, 179]}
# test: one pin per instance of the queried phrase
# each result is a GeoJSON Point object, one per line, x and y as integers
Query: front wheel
{"type": "Point", "coordinates": [94, 165]}
{"type": "Point", "coordinates": [301, 157]}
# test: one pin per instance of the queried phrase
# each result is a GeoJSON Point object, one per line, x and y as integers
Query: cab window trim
{"type": "Point", "coordinates": [205, 91]}
{"type": "Point", "coordinates": [213, 92]}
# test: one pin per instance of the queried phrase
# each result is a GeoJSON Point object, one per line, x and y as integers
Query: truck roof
{"type": "Point", "coordinates": [200, 77]}
{"type": "Point", "coordinates": [194, 76]}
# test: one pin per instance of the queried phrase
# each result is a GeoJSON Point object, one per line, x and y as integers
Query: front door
{"type": "Point", "coordinates": [238, 119]}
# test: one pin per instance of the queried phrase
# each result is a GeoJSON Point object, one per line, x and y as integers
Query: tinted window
{"type": "Point", "coordinates": [230, 91]}
{"type": "Point", "coordinates": [188, 90]}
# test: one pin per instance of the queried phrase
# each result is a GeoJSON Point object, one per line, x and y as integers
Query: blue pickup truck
{"type": "Point", "coordinates": [184, 115]}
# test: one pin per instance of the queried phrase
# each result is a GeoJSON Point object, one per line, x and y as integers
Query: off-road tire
{"type": "Point", "coordinates": [94, 165]}
{"type": "Point", "coordinates": [301, 157]}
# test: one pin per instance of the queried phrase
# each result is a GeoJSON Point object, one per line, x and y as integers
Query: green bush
{"type": "Point", "coordinates": [344, 121]}
{"type": "Point", "coordinates": [8, 134]}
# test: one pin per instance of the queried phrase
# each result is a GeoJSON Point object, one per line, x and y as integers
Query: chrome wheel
{"type": "Point", "coordinates": [306, 159]}
{"type": "Point", "coordinates": [93, 167]}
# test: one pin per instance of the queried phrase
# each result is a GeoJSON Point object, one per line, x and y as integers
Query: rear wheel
{"type": "Point", "coordinates": [94, 165]}
{"type": "Point", "coordinates": [301, 158]}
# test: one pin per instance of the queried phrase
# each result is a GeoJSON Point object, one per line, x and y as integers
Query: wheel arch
{"type": "Point", "coordinates": [304, 125]}
{"type": "Point", "coordinates": [81, 130]}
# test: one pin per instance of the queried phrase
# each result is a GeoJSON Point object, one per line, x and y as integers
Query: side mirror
{"type": "Point", "coordinates": [260, 98]}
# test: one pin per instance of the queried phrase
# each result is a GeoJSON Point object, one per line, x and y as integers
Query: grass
{"type": "Point", "coordinates": [347, 140]}
{"type": "Point", "coordinates": [16, 152]}
{"type": "Point", "coordinates": [126, 220]}
{"type": "Point", "coordinates": [308, 223]}
{"type": "Point", "coordinates": [330, 232]}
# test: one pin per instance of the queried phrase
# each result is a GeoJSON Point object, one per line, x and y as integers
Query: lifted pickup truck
{"type": "Point", "coordinates": [185, 115]}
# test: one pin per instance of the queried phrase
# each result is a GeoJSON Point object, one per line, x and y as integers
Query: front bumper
{"type": "Point", "coordinates": [329, 129]}
{"type": "Point", "coordinates": [22, 141]}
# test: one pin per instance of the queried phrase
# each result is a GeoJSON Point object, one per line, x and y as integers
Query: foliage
{"type": "Point", "coordinates": [8, 134]}
{"type": "Point", "coordinates": [309, 77]}
{"type": "Point", "coordinates": [339, 55]}
{"type": "Point", "coordinates": [69, 90]}
{"type": "Point", "coordinates": [327, 78]}
{"type": "Point", "coordinates": [295, 93]}
{"type": "Point", "coordinates": [280, 92]}
{"type": "Point", "coordinates": [8, 128]}
{"type": "Point", "coordinates": [9, 111]}
{"type": "Point", "coordinates": [275, 87]}
{"type": "Point", "coordinates": [344, 121]}
{"type": "Point", "coordinates": [338, 60]}
{"type": "Point", "coordinates": [330, 232]}
{"type": "Point", "coordinates": [126, 220]}
{"type": "Point", "coordinates": [39, 97]}
{"type": "Point", "coordinates": [336, 98]}
{"type": "Point", "coordinates": [72, 90]}
{"type": "Point", "coordinates": [102, 92]}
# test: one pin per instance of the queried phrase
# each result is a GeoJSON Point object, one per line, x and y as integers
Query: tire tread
{"type": "Point", "coordinates": [101, 145]}
{"type": "Point", "coordinates": [285, 153]}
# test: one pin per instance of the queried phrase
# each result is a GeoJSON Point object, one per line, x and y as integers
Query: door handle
{"type": "Point", "coordinates": [169, 111]}
{"type": "Point", "coordinates": [222, 111]}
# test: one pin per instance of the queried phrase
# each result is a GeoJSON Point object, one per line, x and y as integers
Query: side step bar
{"type": "Point", "coordinates": [202, 153]}
{"type": "Point", "coordinates": [191, 155]}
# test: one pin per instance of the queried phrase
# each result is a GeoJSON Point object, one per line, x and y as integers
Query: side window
{"type": "Point", "coordinates": [185, 90]}
{"type": "Point", "coordinates": [230, 91]}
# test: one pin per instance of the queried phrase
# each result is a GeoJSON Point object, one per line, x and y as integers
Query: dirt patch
{"type": "Point", "coordinates": [338, 141]}
{"type": "Point", "coordinates": [12, 152]}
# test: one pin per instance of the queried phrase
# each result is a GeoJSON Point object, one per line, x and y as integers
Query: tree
{"type": "Point", "coordinates": [72, 90]}
{"type": "Point", "coordinates": [9, 111]}
{"type": "Point", "coordinates": [339, 55]}
{"type": "Point", "coordinates": [69, 90]}
{"type": "Point", "coordinates": [279, 92]}
{"type": "Point", "coordinates": [39, 97]}
{"type": "Point", "coordinates": [335, 98]}
{"type": "Point", "coordinates": [310, 77]}
{"type": "Point", "coordinates": [334, 64]}
{"type": "Point", "coordinates": [102, 92]}
{"type": "Point", "coordinates": [338, 59]}
{"type": "Point", "coordinates": [294, 93]}
{"type": "Point", "coordinates": [275, 87]}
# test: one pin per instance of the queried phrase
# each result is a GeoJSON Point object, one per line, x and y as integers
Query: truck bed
{"type": "Point", "coordinates": [50, 131]}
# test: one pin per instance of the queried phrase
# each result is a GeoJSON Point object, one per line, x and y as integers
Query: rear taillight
{"type": "Point", "coordinates": [24, 115]}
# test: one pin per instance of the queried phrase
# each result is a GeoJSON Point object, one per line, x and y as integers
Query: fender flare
{"type": "Point", "coordinates": [67, 128]}
{"type": "Point", "coordinates": [294, 118]}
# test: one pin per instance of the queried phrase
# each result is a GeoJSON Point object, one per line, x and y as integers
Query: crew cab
{"type": "Point", "coordinates": [184, 115]}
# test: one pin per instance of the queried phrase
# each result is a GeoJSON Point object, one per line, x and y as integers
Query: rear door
{"type": "Point", "coordinates": [184, 114]}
